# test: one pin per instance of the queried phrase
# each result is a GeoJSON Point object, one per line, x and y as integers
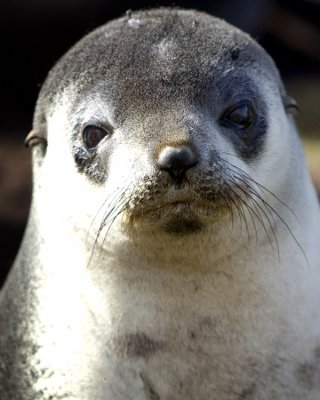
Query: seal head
{"type": "Point", "coordinates": [191, 109]}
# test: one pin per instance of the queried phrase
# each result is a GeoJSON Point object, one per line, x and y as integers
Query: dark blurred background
{"type": "Point", "coordinates": [35, 33]}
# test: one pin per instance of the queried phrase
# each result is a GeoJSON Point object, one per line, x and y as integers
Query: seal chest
{"type": "Point", "coordinates": [173, 244]}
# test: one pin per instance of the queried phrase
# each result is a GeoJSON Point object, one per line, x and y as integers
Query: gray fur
{"type": "Point", "coordinates": [187, 301]}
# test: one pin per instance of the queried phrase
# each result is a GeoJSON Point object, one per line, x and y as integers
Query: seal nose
{"type": "Point", "coordinates": [176, 161]}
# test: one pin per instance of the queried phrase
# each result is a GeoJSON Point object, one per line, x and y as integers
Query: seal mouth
{"type": "Point", "coordinates": [207, 198]}
{"type": "Point", "coordinates": [176, 211]}
{"type": "Point", "coordinates": [176, 207]}
{"type": "Point", "coordinates": [177, 217]}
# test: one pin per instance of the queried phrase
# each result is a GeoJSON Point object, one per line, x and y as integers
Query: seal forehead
{"type": "Point", "coordinates": [152, 54]}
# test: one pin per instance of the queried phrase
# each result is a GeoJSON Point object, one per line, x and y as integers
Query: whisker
{"type": "Point", "coordinates": [112, 197]}
{"type": "Point", "coordinates": [237, 206]}
{"type": "Point", "coordinates": [250, 211]}
{"type": "Point", "coordinates": [249, 196]}
{"type": "Point", "coordinates": [252, 194]}
{"type": "Point", "coordinates": [268, 206]}
{"type": "Point", "coordinates": [230, 209]}
{"type": "Point", "coordinates": [120, 203]}
{"type": "Point", "coordinates": [242, 172]}
{"type": "Point", "coordinates": [115, 215]}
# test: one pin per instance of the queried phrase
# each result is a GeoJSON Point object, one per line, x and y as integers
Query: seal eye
{"type": "Point", "coordinates": [92, 135]}
{"type": "Point", "coordinates": [239, 117]}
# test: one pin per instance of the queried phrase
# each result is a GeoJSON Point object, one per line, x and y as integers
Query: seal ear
{"type": "Point", "coordinates": [290, 105]}
{"type": "Point", "coordinates": [37, 136]}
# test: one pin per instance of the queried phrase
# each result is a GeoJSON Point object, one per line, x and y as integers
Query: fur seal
{"type": "Point", "coordinates": [173, 244]}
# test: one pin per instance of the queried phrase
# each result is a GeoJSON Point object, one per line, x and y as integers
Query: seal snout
{"type": "Point", "coordinates": [176, 161]}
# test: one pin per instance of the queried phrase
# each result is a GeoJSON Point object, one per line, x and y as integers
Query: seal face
{"type": "Point", "coordinates": [172, 250]}
{"type": "Point", "coordinates": [157, 91]}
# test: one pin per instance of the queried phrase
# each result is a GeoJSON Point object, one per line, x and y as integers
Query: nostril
{"type": "Point", "coordinates": [176, 161]}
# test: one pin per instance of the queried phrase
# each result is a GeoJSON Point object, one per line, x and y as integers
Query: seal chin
{"type": "Point", "coordinates": [175, 217]}
{"type": "Point", "coordinates": [178, 210]}
{"type": "Point", "coordinates": [180, 217]}
{"type": "Point", "coordinates": [183, 226]}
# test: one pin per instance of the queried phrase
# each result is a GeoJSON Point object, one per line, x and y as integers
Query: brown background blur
{"type": "Point", "coordinates": [35, 33]}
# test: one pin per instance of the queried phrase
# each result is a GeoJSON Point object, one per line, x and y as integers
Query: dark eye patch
{"type": "Point", "coordinates": [241, 112]}
{"type": "Point", "coordinates": [90, 159]}
{"type": "Point", "coordinates": [245, 125]}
